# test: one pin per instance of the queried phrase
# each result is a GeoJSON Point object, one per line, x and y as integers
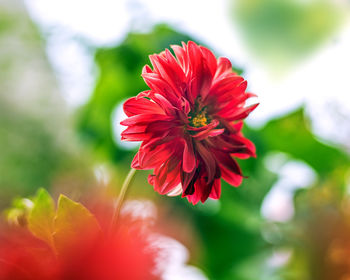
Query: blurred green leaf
{"type": "Point", "coordinates": [41, 217]}
{"type": "Point", "coordinates": [282, 31]}
{"type": "Point", "coordinates": [19, 210]}
{"type": "Point", "coordinates": [71, 221]}
{"type": "Point", "coordinates": [291, 134]}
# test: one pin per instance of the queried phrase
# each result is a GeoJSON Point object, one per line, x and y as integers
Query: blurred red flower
{"type": "Point", "coordinates": [125, 255]}
{"type": "Point", "coordinates": [190, 123]}
{"type": "Point", "coordinates": [24, 257]}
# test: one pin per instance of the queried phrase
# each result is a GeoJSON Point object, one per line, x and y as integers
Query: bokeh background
{"type": "Point", "coordinates": [67, 66]}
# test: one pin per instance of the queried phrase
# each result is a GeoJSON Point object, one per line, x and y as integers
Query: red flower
{"type": "Point", "coordinates": [189, 123]}
{"type": "Point", "coordinates": [125, 255]}
{"type": "Point", "coordinates": [23, 257]}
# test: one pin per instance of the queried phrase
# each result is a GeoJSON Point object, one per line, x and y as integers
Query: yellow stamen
{"type": "Point", "coordinates": [200, 120]}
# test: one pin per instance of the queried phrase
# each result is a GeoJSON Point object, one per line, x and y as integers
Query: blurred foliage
{"type": "Point", "coordinates": [37, 144]}
{"type": "Point", "coordinates": [41, 217]}
{"type": "Point", "coordinates": [296, 139]}
{"type": "Point", "coordinates": [24, 163]}
{"type": "Point", "coordinates": [55, 225]}
{"type": "Point", "coordinates": [33, 156]}
{"type": "Point", "coordinates": [18, 211]}
{"type": "Point", "coordinates": [282, 31]}
{"type": "Point", "coordinates": [321, 234]}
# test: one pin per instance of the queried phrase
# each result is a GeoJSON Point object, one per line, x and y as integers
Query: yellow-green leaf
{"type": "Point", "coordinates": [72, 222]}
{"type": "Point", "coordinates": [41, 217]}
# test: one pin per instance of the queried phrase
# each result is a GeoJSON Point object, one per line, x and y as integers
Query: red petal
{"type": "Point", "coordinates": [240, 113]}
{"type": "Point", "coordinates": [177, 72]}
{"type": "Point", "coordinates": [146, 69]}
{"type": "Point", "coordinates": [210, 59]}
{"type": "Point", "coordinates": [143, 119]}
{"type": "Point", "coordinates": [226, 83]}
{"type": "Point", "coordinates": [157, 84]}
{"type": "Point", "coordinates": [208, 133]}
{"type": "Point", "coordinates": [167, 177]}
{"type": "Point", "coordinates": [249, 150]}
{"type": "Point", "coordinates": [224, 66]}
{"type": "Point", "coordinates": [181, 57]}
{"type": "Point", "coordinates": [238, 126]}
{"type": "Point", "coordinates": [154, 142]}
{"type": "Point", "coordinates": [149, 159]}
{"type": "Point", "coordinates": [227, 162]}
{"type": "Point", "coordinates": [231, 177]}
{"type": "Point", "coordinates": [226, 143]}
{"type": "Point", "coordinates": [202, 190]}
{"type": "Point", "coordinates": [186, 179]}
{"type": "Point", "coordinates": [164, 103]}
{"type": "Point", "coordinates": [202, 77]}
{"type": "Point", "coordinates": [172, 74]}
{"type": "Point", "coordinates": [232, 92]}
{"type": "Point", "coordinates": [216, 189]}
{"type": "Point", "coordinates": [208, 159]}
{"type": "Point", "coordinates": [161, 126]}
{"type": "Point", "coordinates": [135, 133]}
{"type": "Point", "coordinates": [135, 162]}
{"type": "Point", "coordinates": [189, 158]}
{"type": "Point", "coordinates": [135, 106]}
{"type": "Point", "coordinates": [195, 58]}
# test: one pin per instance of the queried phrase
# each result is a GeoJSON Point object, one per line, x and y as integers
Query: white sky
{"type": "Point", "coordinates": [317, 82]}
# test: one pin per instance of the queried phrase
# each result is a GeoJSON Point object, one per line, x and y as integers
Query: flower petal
{"type": "Point", "coordinates": [173, 75]}
{"type": "Point", "coordinates": [210, 59]}
{"type": "Point", "coordinates": [208, 159]}
{"type": "Point", "coordinates": [143, 119]}
{"type": "Point", "coordinates": [231, 177]}
{"type": "Point", "coordinates": [167, 177]}
{"type": "Point", "coordinates": [175, 191]}
{"type": "Point", "coordinates": [208, 133]}
{"type": "Point", "coordinates": [201, 77]}
{"type": "Point", "coordinates": [157, 84]}
{"type": "Point", "coordinates": [239, 113]}
{"type": "Point", "coordinates": [189, 158]}
{"type": "Point", "coordinates": [135, 133]}
{"type": "Point", "coordinates": [181, 57]}
{"type": "Point", "coordinates": [225, 160]}
{"type": "Point", "coordinates": [216, 189]}
{"type": "Point", "coordinates": [135, 106]}
{"type": "Point", "coordinates": [224, 66]}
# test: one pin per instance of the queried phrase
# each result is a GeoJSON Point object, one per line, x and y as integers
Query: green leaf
{"type": "Point", "coordinates": [40, 219]}
{"type": "Point", "coordinates": [71, 221]}
{"type": "Point", "coordinates": [19, 211]}
{"type": "Point", "coordinates": [290, 134]}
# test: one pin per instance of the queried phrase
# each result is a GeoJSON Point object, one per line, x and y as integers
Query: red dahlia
{"type": "Point", "coordinates": [190, 123]}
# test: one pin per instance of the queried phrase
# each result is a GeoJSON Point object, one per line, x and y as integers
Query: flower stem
{"type": "Point", "coordinates": [121, 196]}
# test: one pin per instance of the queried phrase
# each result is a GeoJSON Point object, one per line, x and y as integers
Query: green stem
{"type": "Point", "coordinates": [119, 203]}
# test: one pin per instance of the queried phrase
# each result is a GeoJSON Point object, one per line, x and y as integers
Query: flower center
{"type": "Point", "coordinates": [200, 119]}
